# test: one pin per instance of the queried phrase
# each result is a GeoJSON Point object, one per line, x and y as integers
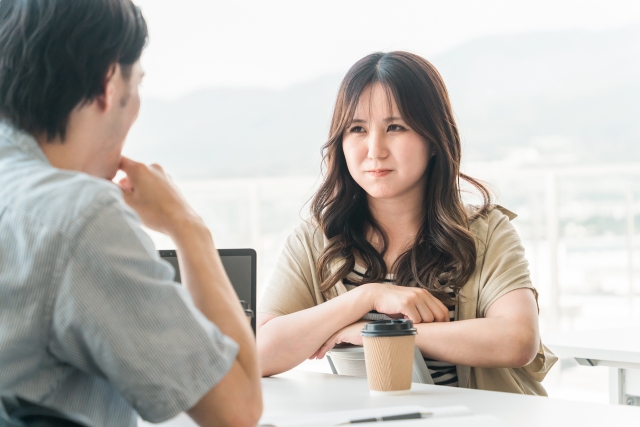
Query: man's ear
{"type": "Point", "coordinates": [106, 99]}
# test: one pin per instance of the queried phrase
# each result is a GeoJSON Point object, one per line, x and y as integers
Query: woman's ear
{"type": "Point", "coordinates": [106, 98]}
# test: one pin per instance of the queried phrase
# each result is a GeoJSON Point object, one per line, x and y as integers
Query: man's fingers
{"type": "Point", "coordinates": [135, 170]}
{"type": "Point", "coordinates": [125, 184]}
{"type": "Point", "coordinates": [156, 167]}
{"type": "Point", "coordinates": [128, 166]}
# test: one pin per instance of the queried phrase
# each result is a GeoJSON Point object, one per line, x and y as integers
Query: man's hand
{"type": "Point", "coordinates": [347, 335]}
{"type": "Point", "coordinates": [416, 304]}
{"type": "Point", "coordinates": [152, 194]}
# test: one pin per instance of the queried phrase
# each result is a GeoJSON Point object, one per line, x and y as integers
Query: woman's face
{"type": "Point", "coordinates": [384, 155]}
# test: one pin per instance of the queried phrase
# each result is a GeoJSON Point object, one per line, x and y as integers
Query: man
{"type": "Point", "coordinates": [91, 321]}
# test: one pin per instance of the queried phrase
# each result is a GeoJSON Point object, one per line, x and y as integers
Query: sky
{"type": "Point", "coordinates": [197, 44]}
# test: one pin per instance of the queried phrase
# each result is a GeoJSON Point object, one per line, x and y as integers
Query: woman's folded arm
{"type": "Point", "coordinates": [508, 337]}
{"type": "Point", "coordinates": [286, 341]}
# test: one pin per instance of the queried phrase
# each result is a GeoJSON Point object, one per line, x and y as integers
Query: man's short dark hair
{"type": "Point", "coordinates": [55, 55]}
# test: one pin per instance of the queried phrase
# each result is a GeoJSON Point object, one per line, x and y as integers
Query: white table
{"type": "Point", "coordinates": [299, 392]}
{"type": "Point", "coordinates": [619, 349]}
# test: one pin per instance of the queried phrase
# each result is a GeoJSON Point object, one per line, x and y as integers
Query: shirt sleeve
{"type": "Point", "coordinates": [505, 267]}
{"type": "Point", "coordinates": [290, 287]}
{"type": "Point", "coordinates": [119, 315]}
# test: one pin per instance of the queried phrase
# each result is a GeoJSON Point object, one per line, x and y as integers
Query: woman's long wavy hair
{"type": "Point", "coordinates": [444, 252]}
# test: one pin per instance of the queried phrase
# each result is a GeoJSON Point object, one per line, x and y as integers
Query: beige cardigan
{"type": "Point", "coordinates": [501, 267]}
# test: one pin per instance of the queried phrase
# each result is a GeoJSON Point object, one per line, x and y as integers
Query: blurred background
{"type": "Point", "coordinates": [238, 95]}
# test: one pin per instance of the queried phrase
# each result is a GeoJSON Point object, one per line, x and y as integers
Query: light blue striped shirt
{"type": "Point", "coordinates": [90, 319]}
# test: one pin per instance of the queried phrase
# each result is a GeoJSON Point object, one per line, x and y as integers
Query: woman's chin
{"type": "Point", "coordinates": [381, 194]}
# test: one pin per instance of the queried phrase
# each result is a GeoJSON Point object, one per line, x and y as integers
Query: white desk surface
{"type": "Point", "coordinates": [308, 392]}
{"type": "Point", "coordinates": [615, 345]}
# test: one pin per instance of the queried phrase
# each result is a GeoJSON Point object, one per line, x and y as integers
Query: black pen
{"type": "Point", "coordinates": [411, 416]}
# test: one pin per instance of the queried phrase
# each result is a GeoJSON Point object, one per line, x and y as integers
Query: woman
{"type": "Point", "coordinates": [390, 234]}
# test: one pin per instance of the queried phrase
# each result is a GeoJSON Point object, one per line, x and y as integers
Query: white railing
{"type": "Point", "coordinates": [261, 213]}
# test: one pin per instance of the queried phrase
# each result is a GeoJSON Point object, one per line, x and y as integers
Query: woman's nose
{"type": "Point", "coordinates": [377, 146]}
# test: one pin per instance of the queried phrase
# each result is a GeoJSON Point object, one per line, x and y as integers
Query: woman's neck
{"type": "Point", "coordinates": [401, 219]}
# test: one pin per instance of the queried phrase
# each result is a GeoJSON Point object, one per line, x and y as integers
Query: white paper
{"type": "Point", "coordinates": [333, 418]}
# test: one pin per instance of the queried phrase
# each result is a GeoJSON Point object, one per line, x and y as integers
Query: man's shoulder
{"type": "Point", "coordinates": [61, 199]}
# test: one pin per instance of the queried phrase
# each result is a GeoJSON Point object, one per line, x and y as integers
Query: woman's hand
{"type": "Point", "coordinates": [416, 304]}
{"type": "Point", "coordinates": [347, 335]}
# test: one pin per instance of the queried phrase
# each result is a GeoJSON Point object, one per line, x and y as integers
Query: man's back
{"type": "Point", "coordinates": [80, 284]}
{"type": "Point", "coordinates": [90, 319]}
{"type": "Point", "coordinates": [41, 210]}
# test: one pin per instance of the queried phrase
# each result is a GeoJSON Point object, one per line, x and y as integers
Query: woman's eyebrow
{"type": "Point", "coordinates": [388, 119]}
{"type": "Point", "coordinates": [392, 119]}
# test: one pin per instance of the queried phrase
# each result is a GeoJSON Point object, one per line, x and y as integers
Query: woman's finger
{"type": "Point", "coordinates": [421, 306]}
{"type": "Point", "coordinates": [412, 313]}
{"type": "Point", "coordinates": [325, 348]}
{"type": "Point", "coordinates": [328, 345]}
{"type": "Point", "coordinates": [425, 311]}
{"type": "Point", "coordinates": [439, 310]}
{"type": "Point", "coordinates": [447, 317]}
{"type": "Point", "coordinates": [444, 309]}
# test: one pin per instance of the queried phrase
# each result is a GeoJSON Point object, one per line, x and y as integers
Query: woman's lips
{"type": "Point", "coordinates": [378, 173]}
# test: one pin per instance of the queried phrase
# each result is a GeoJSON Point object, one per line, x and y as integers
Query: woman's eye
{"type": "Point", "coordinates": [395, 128]}
{"type": "Point", "coordinates": [356, 129]}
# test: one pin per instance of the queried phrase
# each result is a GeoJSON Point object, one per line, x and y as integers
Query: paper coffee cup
{"type": "Point", "coordinates": [388, 353]}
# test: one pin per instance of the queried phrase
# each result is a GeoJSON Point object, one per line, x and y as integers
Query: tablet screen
{"type": "Point", "coordinates": [240, 265]}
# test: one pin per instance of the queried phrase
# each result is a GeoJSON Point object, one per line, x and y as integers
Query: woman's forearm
{"type": "Point", "coordinates": [286, 341]}
{"type": "Point", "coordinates": [487, 342]}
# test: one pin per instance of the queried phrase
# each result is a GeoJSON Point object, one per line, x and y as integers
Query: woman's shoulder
{"type": "Point", "coordinates": [479, 212]}
{"type": "Point", "coordinates": [483, 222]}
{"type": "Point", "coordinates": [307, 236]}
{"type": "Point", "coordinates": [308, 229]}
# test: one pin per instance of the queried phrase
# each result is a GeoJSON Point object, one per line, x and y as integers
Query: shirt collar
{"type": "Point", "coordinates": [21, 139]}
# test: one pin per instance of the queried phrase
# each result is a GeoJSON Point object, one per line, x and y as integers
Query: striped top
{"type": "Point", "coordinates": [91, 321]}
{"type": "Point", "coordinates": [442, 373]}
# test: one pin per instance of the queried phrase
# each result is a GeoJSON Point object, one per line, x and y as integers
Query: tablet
{"type": "Point", "coordinates": [240, 265]}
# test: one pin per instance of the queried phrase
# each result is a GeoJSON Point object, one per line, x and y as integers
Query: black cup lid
{"type": "Point", "coordinates": [389, 328]}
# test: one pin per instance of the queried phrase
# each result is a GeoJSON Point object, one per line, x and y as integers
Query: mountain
{"type": "Point", "coordinates": [538, 98]}
{"type": "Point", "coordinates": [526, 91]}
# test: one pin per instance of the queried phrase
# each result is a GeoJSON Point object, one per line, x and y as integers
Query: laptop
{"type": "Point", "coordinates": [240, 265]}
